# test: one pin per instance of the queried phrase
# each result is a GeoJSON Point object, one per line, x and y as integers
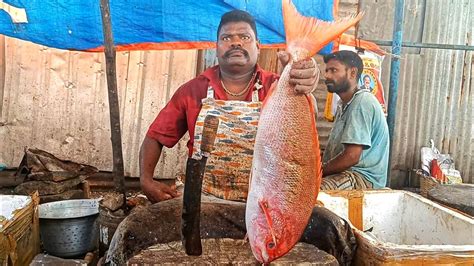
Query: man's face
{"type": "Point", "coordinates": [337, 77]}
{"type": "Point", "coordinates": [237, 47]}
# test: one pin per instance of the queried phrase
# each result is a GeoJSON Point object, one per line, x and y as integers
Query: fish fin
{"type": "Point", "coordinates": [264, 207]}
{"type": "Point", "coordinates": [270, 92]}
{"type": "Point", "coordinates": [246, 239]}
{"type": "Point", "coordinates": [319, 203]}
{"type": "Point", "coordinates": [250, 184]}
{"type": "Point", "coordinates": [311, 34]}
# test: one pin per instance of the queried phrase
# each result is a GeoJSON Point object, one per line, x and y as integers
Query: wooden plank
{"type": "Point", "coordinates": [86, 189]}
{"type": "Point", "coordinates": [67, 195]}
{"type": "Point", "coordinates": [47, 187]}
{"type": "Point", "coordinates": [356, 205]}
{"type": "Point", "coordinates": [355, 200]}
{"type": "Point", "coordinates": [8, 178]}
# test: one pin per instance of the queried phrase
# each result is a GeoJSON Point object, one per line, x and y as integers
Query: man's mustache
{"type": "Point", "coordinates": [227, 54]}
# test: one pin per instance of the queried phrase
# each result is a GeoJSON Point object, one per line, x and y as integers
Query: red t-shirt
{"type": "Point", "coordinates": [181, 112]}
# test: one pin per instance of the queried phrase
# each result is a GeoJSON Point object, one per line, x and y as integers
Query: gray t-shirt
{"type": "Point", "coordinates": [362, 122]}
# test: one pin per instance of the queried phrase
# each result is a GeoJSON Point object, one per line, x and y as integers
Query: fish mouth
{"type": "Point", "coordinates": [257, 252]}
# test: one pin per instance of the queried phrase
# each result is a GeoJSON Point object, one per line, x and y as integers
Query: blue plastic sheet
{"type": "Point", "coordinates": [77, 24]}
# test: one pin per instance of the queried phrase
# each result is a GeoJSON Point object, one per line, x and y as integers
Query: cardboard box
{"type": "Point", "coordinates": [19, 229]}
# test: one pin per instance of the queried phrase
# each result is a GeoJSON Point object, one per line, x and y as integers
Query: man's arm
{"type": "Point", "coordinates": [155, 191]}
{"type": "Point", "coordinates": [344, 160]}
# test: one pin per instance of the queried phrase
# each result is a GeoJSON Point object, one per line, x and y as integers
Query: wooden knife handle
{"type": "Point", "coordinates": [209, 132]}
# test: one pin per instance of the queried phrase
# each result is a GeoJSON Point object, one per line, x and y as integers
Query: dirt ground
{"type": "Point", "coordinates": [7, 191]}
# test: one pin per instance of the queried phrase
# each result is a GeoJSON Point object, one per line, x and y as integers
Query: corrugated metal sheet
{"type": "Point", "coordinates": [57, 101]}
{"type": "Point", "coordinates": [435, 98]}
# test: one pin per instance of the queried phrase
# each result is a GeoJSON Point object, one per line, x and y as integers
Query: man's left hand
{"type": "Point", "coordinates": [304, 74]}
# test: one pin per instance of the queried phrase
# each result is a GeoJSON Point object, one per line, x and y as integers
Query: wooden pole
{"type": "Point", "coordinates": [110, 67]}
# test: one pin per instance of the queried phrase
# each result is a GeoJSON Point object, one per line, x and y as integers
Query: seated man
{"type": "Point", "coordinates": [233, 91]}
{"type": "Point", "coordinates": [356, 156]}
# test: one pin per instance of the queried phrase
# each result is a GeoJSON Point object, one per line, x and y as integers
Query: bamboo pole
{"type": "Point", "coordinates": [110, 66]}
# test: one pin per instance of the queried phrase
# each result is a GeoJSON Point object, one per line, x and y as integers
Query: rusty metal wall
{"type": "Point", "coordinates": [435, 99]}
{"type": "Point", "coordinates": [57, 101]}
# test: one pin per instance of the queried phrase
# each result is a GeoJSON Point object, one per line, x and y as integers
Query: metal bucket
{"type": "Point", "coordinates": [69, 228]}
{"type": "Point", "coordinates": [108, 223]}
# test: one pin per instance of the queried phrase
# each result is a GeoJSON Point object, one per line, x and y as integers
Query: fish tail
{"type": "Point", "coordinates": [311, 34]}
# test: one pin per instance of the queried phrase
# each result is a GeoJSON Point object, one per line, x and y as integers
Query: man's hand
{"type": "Point", "coordinates": [349, 157]}
{"type": "Point", "coordinates": [157, 191]}
{"type": "Point", "coordinates": [304, 74]}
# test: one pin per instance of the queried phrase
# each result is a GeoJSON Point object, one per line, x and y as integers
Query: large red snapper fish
{"type": "Point", "coordinates": [286, 167]}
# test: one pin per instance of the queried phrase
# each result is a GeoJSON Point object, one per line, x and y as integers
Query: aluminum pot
{"type": "Point", "coordinates": [69, 228]}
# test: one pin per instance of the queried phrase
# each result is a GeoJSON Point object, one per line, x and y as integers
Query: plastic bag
{"type": "Point", "coordinates": [432, 159]}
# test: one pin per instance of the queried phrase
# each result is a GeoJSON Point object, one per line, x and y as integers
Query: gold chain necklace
{"type": "Point", "coordinates": [239, 93]}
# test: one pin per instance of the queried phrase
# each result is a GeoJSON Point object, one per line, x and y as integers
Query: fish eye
{"type": "Point", "coordinates": [271, 245]}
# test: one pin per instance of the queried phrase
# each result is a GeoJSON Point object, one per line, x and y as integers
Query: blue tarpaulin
{"type": "Point", "coordinates": [77, 24]}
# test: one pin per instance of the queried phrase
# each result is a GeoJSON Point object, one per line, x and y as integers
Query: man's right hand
{"type": "Point", "coordinates": [157, 191]}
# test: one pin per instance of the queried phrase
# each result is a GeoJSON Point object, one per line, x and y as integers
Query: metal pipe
{"type": "Point", "coordinates": [427, 45]}
{"type": "Point", "coordinates": [394, 75]}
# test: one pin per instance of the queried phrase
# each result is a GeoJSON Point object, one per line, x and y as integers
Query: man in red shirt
{"type": "Point", "coordinates": [235, 79]}
{"type": "Point", "coordinates": [232, 91]}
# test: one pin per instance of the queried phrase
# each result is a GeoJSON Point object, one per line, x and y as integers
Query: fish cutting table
{"type": "Point", "coordinates": [226, 251]}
